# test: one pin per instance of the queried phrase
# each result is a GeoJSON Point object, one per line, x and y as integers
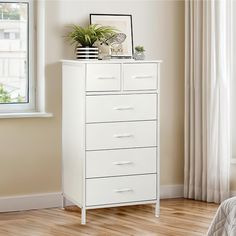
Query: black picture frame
{"type": "Point", "coordinates": [130, 43]}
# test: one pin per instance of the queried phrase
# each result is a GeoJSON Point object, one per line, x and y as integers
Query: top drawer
{"type": "Point", "coordinates": [103, 77]}
{"type": "Point", "coordinates": [140, 76]}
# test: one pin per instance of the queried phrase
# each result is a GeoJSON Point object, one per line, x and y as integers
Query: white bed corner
{"type": "Point", "coordinates": [224, 222]}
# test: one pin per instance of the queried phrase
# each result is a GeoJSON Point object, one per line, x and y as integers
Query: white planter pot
{"type": "Point", "coordinates": [139, 56]}
{"type": "Point", "coordinates": [86, 53]}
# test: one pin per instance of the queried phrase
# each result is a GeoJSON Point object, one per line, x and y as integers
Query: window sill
{"type": "Point", "coordinates": [25, 115]}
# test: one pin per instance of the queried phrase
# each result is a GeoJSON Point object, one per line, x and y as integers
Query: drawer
{"type": "Point", "coordinates": [120, 135]}
{"type": "Point", "coordinates": [121, 107]}
{"type": "Point", "coordinates": [103, 77]}
{"type": "Point", "coordinates": [120, 189]}
{"type": "Point", "coordinates": [140, 76]}
{"type": "Point", "coordinates": [120, 162]}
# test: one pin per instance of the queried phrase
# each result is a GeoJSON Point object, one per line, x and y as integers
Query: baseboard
{"type": "Point", "coordinates": [171, 191]}
{"type": "Point", "coordinates": [30, 202]}
{"type": "Point", "coordinates": [177, 191]}
{"type": "Point", "coordinates": [233, 194]}
{"type": "Point", "coordinates": [50, 200]}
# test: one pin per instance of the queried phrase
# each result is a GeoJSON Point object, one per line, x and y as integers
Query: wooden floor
{"type": "Point", "coordinates": [179, 217]}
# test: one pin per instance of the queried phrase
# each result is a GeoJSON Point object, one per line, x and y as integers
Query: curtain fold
{"type": "Point", "coordinates": [207, 100]}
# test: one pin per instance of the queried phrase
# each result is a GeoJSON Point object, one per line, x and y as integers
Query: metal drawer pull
{"type": "Point", "coordinates": [123, 108]}
{"type": "Point", "coordinates": [123, 190]}
{"type": "Point", "coordinates": [108, 77]}
{"type": "Point", "coordinates": [143, 77]}
{"type": "Point", "coordinates": [119, 163]}
{"type": "Point", "coordinates": [122, 135]}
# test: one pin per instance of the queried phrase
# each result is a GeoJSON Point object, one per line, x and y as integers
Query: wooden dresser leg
{"type": "Point", "coordinates": [83, 216]}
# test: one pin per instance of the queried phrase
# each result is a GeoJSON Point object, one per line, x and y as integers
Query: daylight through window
{"type": "Point", "coordinates": [14, 53]}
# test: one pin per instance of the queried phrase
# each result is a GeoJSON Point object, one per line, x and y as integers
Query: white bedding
{"type": "Point", "coordinates": [224, 222]}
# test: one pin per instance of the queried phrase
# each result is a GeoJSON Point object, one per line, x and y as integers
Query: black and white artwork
{"type": "Point", "coordinates": [121, 44]}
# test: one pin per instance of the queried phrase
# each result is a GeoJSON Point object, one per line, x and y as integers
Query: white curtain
{"type": "Point", "coordinates": [207, 100]}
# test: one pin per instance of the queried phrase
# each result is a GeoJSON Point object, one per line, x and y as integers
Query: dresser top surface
{"type": "Point", "coordinates": [112, 61]}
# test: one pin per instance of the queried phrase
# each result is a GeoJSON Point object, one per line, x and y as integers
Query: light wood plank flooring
{"type": "Point", "coordinates": [179, 217]}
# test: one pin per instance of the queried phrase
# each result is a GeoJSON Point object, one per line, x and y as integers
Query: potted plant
{"type": "Point", "coordinates": [139, 53]}
{"type": "Point", "coordinates": [84, 39]}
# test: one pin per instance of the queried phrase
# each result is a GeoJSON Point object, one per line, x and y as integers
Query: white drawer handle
{"type": "Point", "coordinates": [123, 108]}
{"type": "Point", "coordinates": [108, 77]}
{"type": "Point", "coordinates": [119, 163]}
{"type": "Point", "coordinates": [123, 190]}
{"type": "Point", "coordinates": [123, 135]}
{"type": "Point", "coordinates": [143, 77]}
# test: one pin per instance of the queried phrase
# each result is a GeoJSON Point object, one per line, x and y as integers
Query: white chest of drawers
{"type": "Point", "coordinates": [110, 130]}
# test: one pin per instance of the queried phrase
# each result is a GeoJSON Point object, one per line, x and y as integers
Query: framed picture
{"type": "Point", "coordinates": [123, 23]}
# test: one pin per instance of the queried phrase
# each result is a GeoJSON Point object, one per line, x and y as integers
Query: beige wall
{"type": "Point", "coordinates": [31, 148]}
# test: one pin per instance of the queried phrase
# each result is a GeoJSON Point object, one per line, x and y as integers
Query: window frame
{"type": "Point", "coordinates": [31, 45]}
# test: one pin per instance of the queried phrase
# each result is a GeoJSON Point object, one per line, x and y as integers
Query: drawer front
{"type": "Point", "coordinates": [121, 107]}
{"type": "Point", "coordinates": [120, 162]}
{"type": "Point", "coordinates": [140, 76]}
{"type": "Point", "coordinates": [121, 135]}
{"type": "Point", "coordinates": [120, 189]}
{"type": "Point", "coordinates": [103, 77]}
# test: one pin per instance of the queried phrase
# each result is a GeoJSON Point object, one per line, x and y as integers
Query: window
{"type": "Point", "coordinates": [16, 56]}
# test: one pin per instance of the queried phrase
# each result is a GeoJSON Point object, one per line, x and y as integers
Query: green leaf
{"type": "Point", "coordinates": [87, 36]}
